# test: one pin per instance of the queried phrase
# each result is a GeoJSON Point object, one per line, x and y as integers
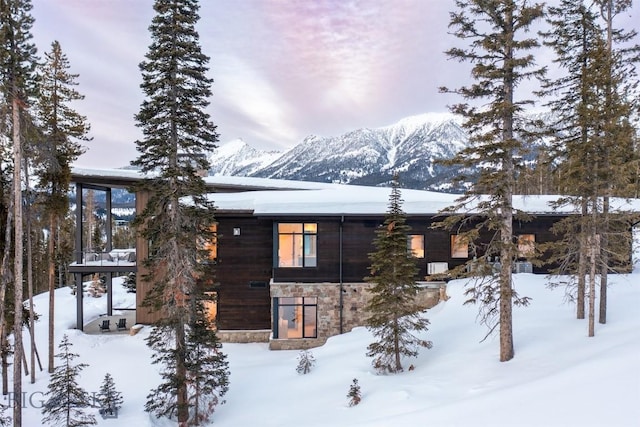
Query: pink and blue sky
{"type": "Point", "coordinates": [282, 70]}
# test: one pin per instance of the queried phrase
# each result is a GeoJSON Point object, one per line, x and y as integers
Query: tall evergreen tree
{"type": "Point", "coordinates": [65, 398]}
{"type": "Point", "coordinates": [394, 314]}
{"type": "Point", "coordinates": [207, 366]}
{"type": "Point", "coordinates": [177, 133]}
{"type": "Point", "coordinates": [619, 83]}
{"type": "Point", "coordinates": [574, 36]}
{"type": "Point", "coordinates": [17, 64]}
{"type": "Point", "coordinates": [501, 59]}
{"type": "Point", "coordinates": [63, 128]}
{"type": "Point", "coordinates": [594, 148]}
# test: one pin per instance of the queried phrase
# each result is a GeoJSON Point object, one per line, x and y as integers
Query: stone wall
{"type": "Point", "coordinates": [355, 297]}
{"type": "Point", "coordinates": [244, 336]}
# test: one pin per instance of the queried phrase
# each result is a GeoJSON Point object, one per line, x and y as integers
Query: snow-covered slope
{"type": "Point", "coordinates": [459, 382]}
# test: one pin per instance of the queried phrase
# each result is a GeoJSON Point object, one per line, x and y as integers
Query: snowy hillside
{"type": "Point", "coordinates": [559, 376]}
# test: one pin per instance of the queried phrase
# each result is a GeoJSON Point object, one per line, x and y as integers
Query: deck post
{"type": "Point", "coordinates": [79, 295]}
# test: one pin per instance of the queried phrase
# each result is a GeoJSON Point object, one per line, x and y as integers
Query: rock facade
{"type": "Point", "coordinates": [333, 321]}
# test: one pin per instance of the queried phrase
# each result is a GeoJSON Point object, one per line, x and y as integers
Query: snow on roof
{"type": "Point", "coordinates": [287, 197]}
{"type": "Point", "coordinates": [341, 199]}
{"type": "Point", "coordinates": [212, 181]}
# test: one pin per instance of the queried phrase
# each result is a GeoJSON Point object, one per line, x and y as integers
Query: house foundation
{"type": "Point", "coordinates": [339, 308]}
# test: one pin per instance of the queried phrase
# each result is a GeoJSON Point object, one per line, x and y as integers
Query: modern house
{"type": "Point", "coordinates": [290, 257]}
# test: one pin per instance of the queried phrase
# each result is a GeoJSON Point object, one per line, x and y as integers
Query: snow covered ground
{"type": "Point", "coordinates": [559, 376]}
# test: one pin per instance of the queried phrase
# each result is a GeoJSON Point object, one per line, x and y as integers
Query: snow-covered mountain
{"type": "Point", "coordinates": [238, 158]}
{"type": "Point", "coordinates": [364, 156]}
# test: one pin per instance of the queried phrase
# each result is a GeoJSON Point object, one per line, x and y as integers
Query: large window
{"type": "Point", "coordinates": [459, 246]}
{"type": "Point", "coordinates": [297, 317]}
{"type": "Point", "coordinates": [209, 247]}
{"type": "Point", "coordinates": [526, 245]}
{"type": "Point", "coordinates": [297, 245]}
{"type": "Point", "coordinates": [415, 245]}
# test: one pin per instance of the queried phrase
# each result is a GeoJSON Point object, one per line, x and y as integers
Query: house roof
{"type": "Point", "coordinates": [127, 177]}
{"type": "Point", "coordinates": [265, 196]}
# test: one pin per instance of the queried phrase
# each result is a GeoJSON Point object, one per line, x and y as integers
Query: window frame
{"type": "Point", "coordinates": [302, 305]}
{"type": "Point", "coordinates": [308, 244]}
{"type": "Point", "coordinates": [411, 249]}
{"type": "Point", "coordinates": [458, 247]}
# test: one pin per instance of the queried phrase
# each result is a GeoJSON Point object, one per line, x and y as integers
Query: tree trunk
{"type": "Point", "coordinates": [506, 207]}
{"type": "Point", "coordinates": [17, 266]}
{"type": "Point", "coordinates": [181, 375]}
{"type": "Point", "coordinates": [5, 278]}
{"type": "Point", "coordinates": [593, 251]}
{"type": "Point", "coordinates": [32, 348]}
{"type": "Point", "coordinates": [4, 352]}
{"type": "Point", "coordinates": [52, 289]}
{"type": "Point", "coordinates": [582, 264]}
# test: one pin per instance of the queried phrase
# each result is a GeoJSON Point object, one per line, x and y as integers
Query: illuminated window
{"type": "Point", "coordinates": [526, 245]}
{"type": "Point", "coordinates": [297, 317]}
{"type": "Point", "coordinates": [209, 247]}
{"type": "Point", "coordinates": [297, 245]}
{"type": "Point", "coordinates": [211, 306]}
{"type": "Point", "coordinates": [415, 244]}
{"type": "Point", "coordinates": [459, 246]}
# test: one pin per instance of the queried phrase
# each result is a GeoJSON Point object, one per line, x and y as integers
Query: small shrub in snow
{"type": "Point", "coordinates": [109, 399]}
{"type": "Point", "coordinates": [305, 362]}
{"type": "Point", "coordinates": [5, 420]}
{"type": "Point", "coordinates": [354, 395]}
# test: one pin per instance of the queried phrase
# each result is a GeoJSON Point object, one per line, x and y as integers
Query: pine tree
{"type": "Point", "coordinates": [500, 61]}
{"type": "Point", "coordinates": [130, 283]}
{"type": "Point", "coordinates": [207, 366]}
{"type": "Point", "coordinates": [354, 394]}
{"type": "Point", "coordinates": [65, 398]}
{"type": "Point", "coordinates": [305, 362]}
{"type": "Point", "coordinates": [574, 36]}
{"type": "Point", "coordinates": [63, 129]}
{"type": "Point", "coordinates": [393, 313]}
{"type": "Point", "coordinates": [17, 84]}
{"type": "Point", "coordinates": [177, 132]}
{"type": "Point", "coordinates": [108, 398]}
{"type": "Point", "coordinates": [594, 141]}
{"type": "Point", "coordinates": [619, 81]}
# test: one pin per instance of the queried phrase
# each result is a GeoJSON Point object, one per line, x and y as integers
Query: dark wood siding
{"type": "Point", "coordinates": [243, 265]}
{"type": "Point", "coordinates": [249, 258]}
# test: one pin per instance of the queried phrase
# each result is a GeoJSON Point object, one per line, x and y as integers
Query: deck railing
{"type": "Point", "coordinates": [115, 257]}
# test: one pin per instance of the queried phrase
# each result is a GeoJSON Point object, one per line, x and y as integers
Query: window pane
{"type": "Point", "coordinates": [289, 228]}
{"type": "Point", "coordinates": [310, 250]}
{"type": "Point", "coordinates": [311, 228]}
{"type": "Point", "coordinates": [285, 250]}
{"type": "Point", "coordinates": [415, 244]}
{"type": "Point", "coordinates": [290, 250]}
{"type": "Point", "coordinates": [459, 247]}
{"type": "Point", "coordinates": [290, 321]}
{"type": "Point", "coordinates": [310, 322]}
{"type": "Point", "coordinates": [310, 300]}
{"type": "Point", "coordinates": [290, 300]}
{"type": "Point", "coordinates": [526, 245]}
